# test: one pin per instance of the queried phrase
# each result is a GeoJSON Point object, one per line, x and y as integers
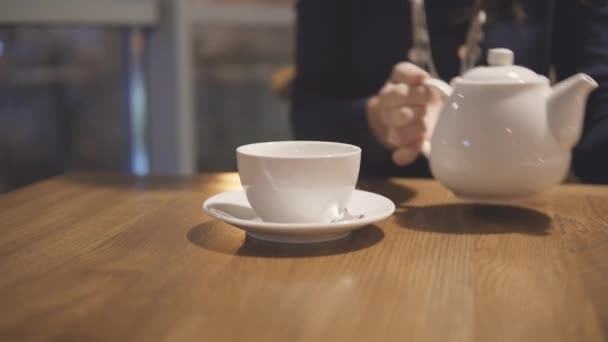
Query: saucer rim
{"type": "Point", "coordinates": [301, 228]}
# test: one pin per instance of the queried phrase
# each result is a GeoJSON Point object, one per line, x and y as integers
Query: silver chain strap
{"type": "Point", "coordinates": [420, 54]}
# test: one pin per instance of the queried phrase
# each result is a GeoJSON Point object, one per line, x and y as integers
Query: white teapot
{"type": "Point", "coordinates": [503, 132]}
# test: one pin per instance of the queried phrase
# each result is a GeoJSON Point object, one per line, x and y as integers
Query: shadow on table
{"type": "Point", "coordinates": [397, 193]}
{"type": "Point", "coordinates": [222, 238]}
{"type": "Point", "coordinates": [475, 219]}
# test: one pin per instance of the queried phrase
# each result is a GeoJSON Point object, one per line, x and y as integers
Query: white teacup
{"type": "Point", "coordinates": [298, 181]}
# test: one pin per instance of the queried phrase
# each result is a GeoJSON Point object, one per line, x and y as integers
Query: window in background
{"type": "Point", "coordinates": [64, 102]}
{"type": "Point", "coordinates": [234, 101]}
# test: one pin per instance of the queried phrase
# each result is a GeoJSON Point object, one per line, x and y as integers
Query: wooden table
{"type": "Point", "coordinates": [112, 258]}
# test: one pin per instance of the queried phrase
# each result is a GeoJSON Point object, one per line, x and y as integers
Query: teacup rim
{"type": "Point", "coordinates": [356, 150]}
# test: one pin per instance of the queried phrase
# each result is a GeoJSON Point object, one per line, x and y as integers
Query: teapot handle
{"type": "Point", "coordinates": [445, 91]}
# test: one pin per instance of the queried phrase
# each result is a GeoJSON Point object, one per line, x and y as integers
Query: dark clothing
{"type": "Point", "coordinates": [346, 50]}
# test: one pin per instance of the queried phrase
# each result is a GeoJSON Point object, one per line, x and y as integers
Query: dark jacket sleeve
{"type": "Point", "coordinates": [325, 102]}
{"type": "Point", "coordinates": [581, 45]}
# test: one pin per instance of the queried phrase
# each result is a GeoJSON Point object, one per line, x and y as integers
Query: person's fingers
{"type": "Point", "coordinates": [405, 135]}
{"type": "Point", "coordinates": [419, 95]}
{"type": "Point", "coordinates": [408, 134]}
{"type": "Point", "coordinates": [395, 95]}
{"type": "Point", "coordinates": [401, 116]}
{"type": "Point", "coordinates": [408, 73]}
{"type": "Point", "coordinates": [406, 155]}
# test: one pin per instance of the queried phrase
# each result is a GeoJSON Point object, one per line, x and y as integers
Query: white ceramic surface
{"type": "Point", "coordinates": [503, 132]}
{"type": "Point", "coordinates": [234, 209]}
{"type": "Point", "coordinates": [298, 181]}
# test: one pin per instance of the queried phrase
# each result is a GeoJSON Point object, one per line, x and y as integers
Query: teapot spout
{"type": "Point", "coordinates": [566, 108]}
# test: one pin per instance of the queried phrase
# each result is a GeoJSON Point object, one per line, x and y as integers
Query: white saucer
{"type": "Point", "coordinates": [372, 206]}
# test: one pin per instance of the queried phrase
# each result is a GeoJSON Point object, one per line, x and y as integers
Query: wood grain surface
{"type": "Point", "coordinates": [88, 257]}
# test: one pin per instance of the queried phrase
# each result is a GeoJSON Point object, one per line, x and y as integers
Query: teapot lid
{"type": "Point", "coordinates": [501, 70]}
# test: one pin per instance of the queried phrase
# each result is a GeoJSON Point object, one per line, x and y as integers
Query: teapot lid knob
{"type": "Point", "coordinates": [501, 71]}
{"type": "Point", "coordinates": [497, 57]}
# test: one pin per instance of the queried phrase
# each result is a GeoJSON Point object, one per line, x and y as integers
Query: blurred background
{"type": "Point", "coordinates": [138, 86]}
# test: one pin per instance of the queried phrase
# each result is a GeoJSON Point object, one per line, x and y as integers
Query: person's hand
{"type": "Point", "coordinates": [404, 112]}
